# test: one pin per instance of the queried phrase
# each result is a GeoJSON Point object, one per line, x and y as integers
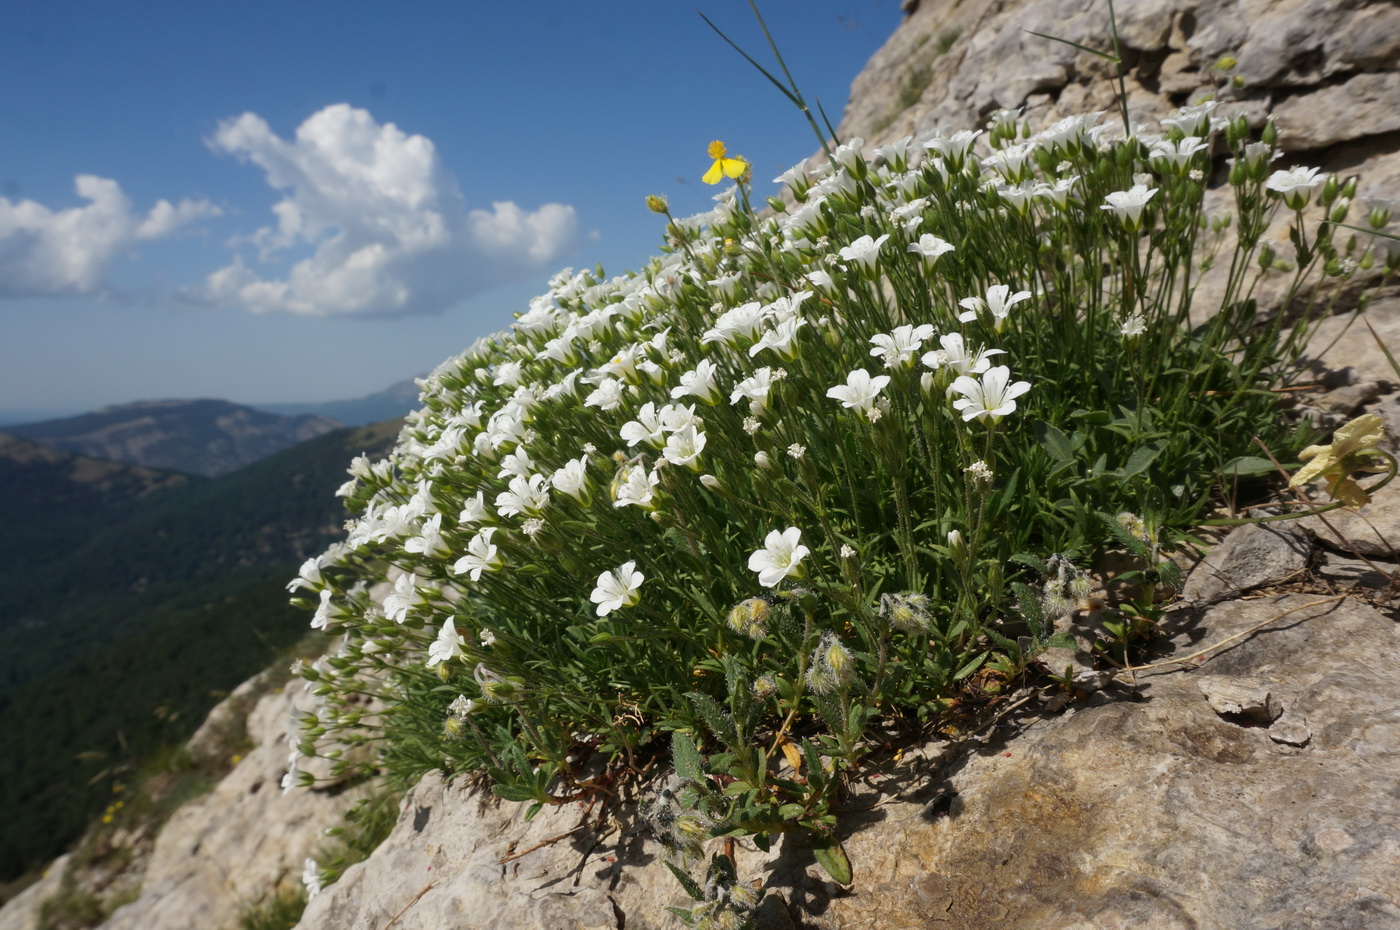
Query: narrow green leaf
{"type": "Point", "coordinates": [691, 887]}
{"type": "Point", "coordinates": [1083, 48]}
{"type": "Point", "coordinates": [1249, 465]}
{"type": "Point", "coordinates": [831, 857]}
{"type": "Point", "coordinates": [1141, 459]}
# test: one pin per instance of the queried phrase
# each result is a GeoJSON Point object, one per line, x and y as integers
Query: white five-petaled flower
{"type": "Point", "coordinates": [780, 339]}
{"type": "Point", "coordinates": [899, 347]}
{"type": "Point", "coordinates": [955, 355]}
{"type": "Point", "coordinates": [1128, 205]}
{"type": "Point", "coordinates": [699, 382]}
{"type": "Point", "coordinates": [635, 486]}
{"type": "Point", "coordinates": [447, 646]}
{"type": "Point", "coordinates": [755, 387]}
{"type": "Point", "coordinates": [482, 555]}
{"type": "Point", "coordinates": [429, 542]}
{"type": "Point", "coordinates": [525, 496]}
{"type": "Point", "coordinates": [1295, 185]}
{"type": "Point", "coordinates": [780, 557]}
{"type": "Point", "coordinates": [998, 302]}
{"type": "Point", "coordinates": [930, 247]}
{"type": "Point", "coordinates": [859, 391]}
{"type": "Point", "coordinates": [863, 251]}
{"type": "Point", "coordinates": [684, 446]}
{"type": "Point", "coordinates": [646, 428]}
{"type": "Point", "coordinates": [474, 511]}
{"type": "Point", "coordinates": [606, 396]}
{"type": "Point", "coordinates": [311, 878]}
{"type": "Point", "coordinates": [572, 479]}
{"type": "Point", "coordinates": [617, 589]}
{"type": "Point", "coordinates": [992, 397]}
{"type": "Point", "coordinates": [398, 601]}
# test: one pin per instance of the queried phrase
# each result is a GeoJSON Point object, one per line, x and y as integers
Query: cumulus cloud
{"type": "Point", "coordinates": [389, 232]}
{"type": "Point", "coordinates": [67, 253]}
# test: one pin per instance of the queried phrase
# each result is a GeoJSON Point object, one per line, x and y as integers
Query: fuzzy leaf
{"type": "Point", "coordinates": [831, 857]}
{"type": "Point", "coordinates": [688, 883]}
{"type": "Point", "coordinates": [686, 757]}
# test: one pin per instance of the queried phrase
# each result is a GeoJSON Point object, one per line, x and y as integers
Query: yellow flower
{"type": "Point", "coordinates": [1353, 448]}
{"type": "Point", "coordinates": [723, 167]}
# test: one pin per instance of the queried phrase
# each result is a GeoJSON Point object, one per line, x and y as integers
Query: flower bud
{"type": "Point", "coordinates": [955, 539]}
{"type": "Point", "coordinates": [1270, 134]}
{"type": "Point", "coordinates": [762, 460]}
{"type": "Point", "coordinates": [657, 204]}
{"type": "Point", "coordinates": [1330, 188]}
{"type": "Point", "coordinates": [1225, 63]}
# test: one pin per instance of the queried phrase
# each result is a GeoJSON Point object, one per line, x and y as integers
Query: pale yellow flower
{"type": "Point", "coordinates": [1353, 448]}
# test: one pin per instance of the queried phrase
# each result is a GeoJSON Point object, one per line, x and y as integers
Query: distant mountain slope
{"type": "Point", "coordinates": [50, 499]}
{"type": "Point", "coordinates": [394, 401]}
{"type": "Point", "coordinates": [127, 623]}
{"type": "Point", "coordinates": [201, 437]}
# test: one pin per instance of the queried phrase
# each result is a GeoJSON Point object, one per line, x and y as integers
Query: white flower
{"type": "Point", "coordinates": [820, 279]}
{"type": "Point", "coordinates": [635, 486]}
{"type": "Point", "coordinates": [430, 541]}
{"type": "Point", "coordinates": [398, 601]}
{"type": "Point", "coordinates": [447, 646]}
{"type": "Point", "coordinates": [309, 575]}
{"type": "Point", "coordinates": [700, 382]}
{"type": "Point", "coordinates": [311, 877]}
{"type": "Point", "coordinates": [956, 356]}
{"type": "Point", "coordinates": [482, 555]}
{"type": "Point", "coordinates": [898, 348]}
{"type": "Point", "coordinates": [572, 479]}
{"type": "Point", "coordinates": [683, 447]}
{"type": "Point", "coordinates": [755, 387]}
{"type": "Point", "coordinates": [488, 639]}
{"type": "Point", "coordinates": [1134, 325]}
{"type": "Point", "coordinates": [507, 373]}
{"type": "Point", "coordinates": [991, 397]}
{"type": "Point", "coordinates": [1128, 205]}
{"type": "Point", "coordinates": [742, 321]}
{"type": "Point", "coordinates": [930, 247]}
{"type": "Point", "coordinates": [617, 589]}
{"type": "Point", "coordinates": [675, 418]}
{"type": "Point", "coordinates": [780, 557]}
{"type": "Point", "coordinates": [847, 552]}
{"type": "Point", "coordinates": [606, 396]}
{"type": "Point", "coordinates": [780, 339]}
{"type": "Point", "coordinates": [646, 428]}
{"type": "Point", "coordinates": [863, 251]}
{"type": "Point", "coordinates": [525, 496]}
{"type": "Point", "coordinates": [517, 464]}
{"type": "Point", "coordinates": [859, 391]}
{"type": "Point", "coordinates": [796, 451]}
{"type": "Point", "coordinates": [475, 510]}
{"type": "Point", "coordinates": [1295, 184]}
{"type": "Point", "coordinates": [1168, 154]}
{"type": "Point", "coordinates": [998, 302]}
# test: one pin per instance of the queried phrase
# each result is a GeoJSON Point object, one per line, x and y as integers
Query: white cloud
{"type": "Point", "coordinates": [390, 231]}
{"type": "Point", "coordinates": [65, 253]}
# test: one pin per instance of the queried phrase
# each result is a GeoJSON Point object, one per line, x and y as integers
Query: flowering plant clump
{"type": "Point", "coordinates": [674, 511]}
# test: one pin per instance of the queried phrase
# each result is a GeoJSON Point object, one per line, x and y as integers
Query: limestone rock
{"type": "Point", "coordinates": [1238, 698]}
{"type": "Point", "coordinates": [1123, 813]}
{"type": "Point", "coordinates": [22, 911]}
{"type": "Point", "coordinates": [232, 847]}
{"type": "Point", "coordinates": [1373, 531]}
{"type": "Point", "coordinates": [1249, 557]}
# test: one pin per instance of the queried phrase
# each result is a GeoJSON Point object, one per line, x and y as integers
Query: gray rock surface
{"type": "Point", "coordinates": [1249, 557]}
{"type": "Point", "coordinates": [1130, 810]}
{"type": "Point", "coordinates": [236, 845]}
{"type": "Point", "coordinates": [22, 911]}
{"type": "Point", "coordinates": [1373, 531]}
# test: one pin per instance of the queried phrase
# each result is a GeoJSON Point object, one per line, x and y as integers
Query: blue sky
{"type": "Point", "coordinates": [272, 201]}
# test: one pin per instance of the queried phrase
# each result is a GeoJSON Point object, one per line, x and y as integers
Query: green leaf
{"type": "Point", "coordinates": [1142, 457]}
{"type": "Point", "coordinates": [831, 857]}
{"type": "Point", "coordinates": [970, 667]}
{"type": "Point", "coordinates": [1083, 48]}
{"type": "Point", "coordinates": [534, 809]}
{"type": "Point", "coordinates": [686, 757]}
{"type": "Point", "coordinates": [1058, 444]}
{"type": "Point", "coordinates": [763, 841]}
{"type": "Point", "coordinates": [514, 792]}
{"type": "Point", "coordinates": [715, 718]}
{"type": "Point", "coordinates": [1249, 465]}
{"type": "Point", "coordinates": [688, 883]}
